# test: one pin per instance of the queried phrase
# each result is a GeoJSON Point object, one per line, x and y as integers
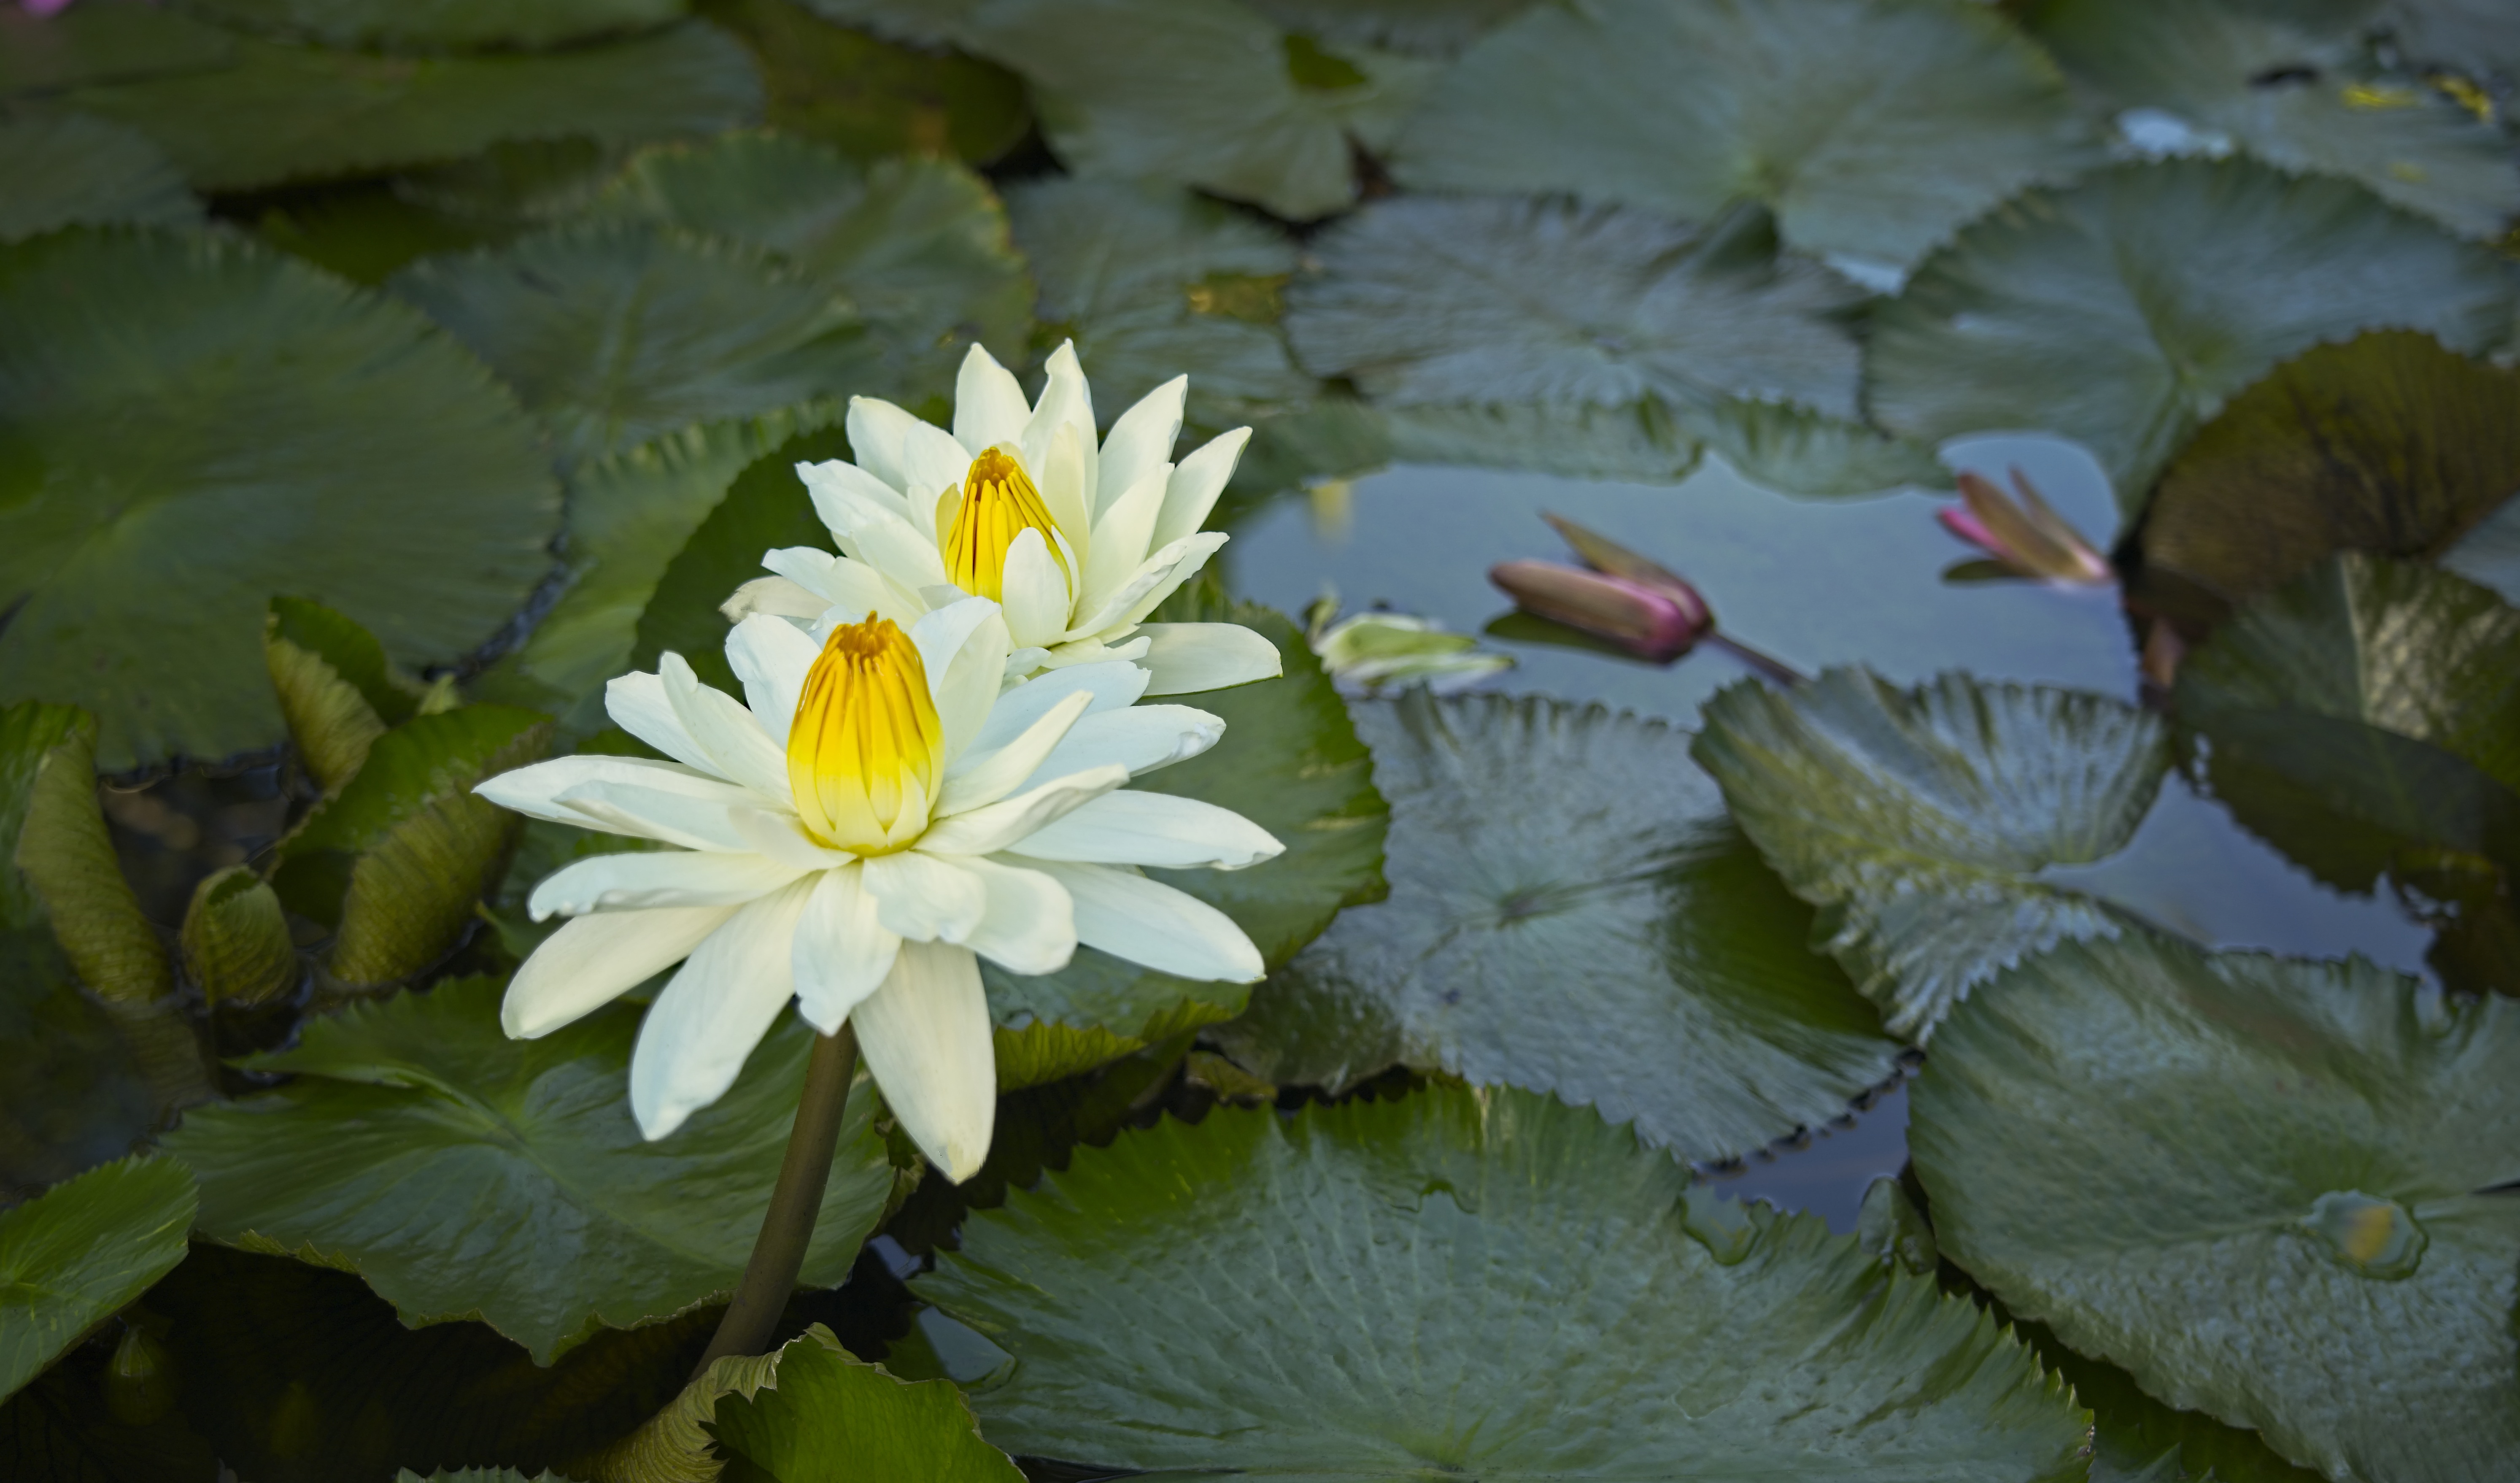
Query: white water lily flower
{"type": "Point", "coordinates": [875, 820]}
{"type": "Point", "coordinates": [1019, 504]}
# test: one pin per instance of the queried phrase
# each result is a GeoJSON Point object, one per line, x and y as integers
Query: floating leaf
{"type": "Point", "coordinates": [245, 426]}
{"type": "Point", "coordinates": [2489, 554]}
{"type": "Point", "coordinates": [1872, 130]}
{"type": "Point", "coordinates": [441, 26]}
{"type": "Point", "coordinates": [2124, 310]}
{"type": "Point", "coordinates": [2388, 444]}
{"type": "Point", "coordinates": [2260, 1186]}
{"type": "Point", "coordinates": [2472, 35]}
{"type": "Point", "coordinates": [466, 1175]}
{"type": "Point", "coordinates": [2136, 1439]}
{"type": "Point", "coordinates": [1569, 912]}
{"type": "Point", "coordinates": [829, 1415]}
{"type": "Point", "coordinates": [72, 169]}
{"type": "Point", "coordinates": [870, 97]}
{"type": "Point", "coordinates": [1918, 820]}
{"type": "Point", "coordinates": [1423, 300]}
{"type": "Point", "coordinates": [1486, 1283]}
{"type": "Point", "coordinates": [103, 41]}
{"type": "Point", "coordinates": [1203, 93]}
{"type": "Point", "coordinates": [922, 22]}
{"type": "Point", "coordinates": [1794, 450]}
{"type": "Point", "coordinates": [70, 1257]}
{"type": "Point", "coordinates": [1640, 443]}
{"type": "Point", "coordinates": [1427, 28]}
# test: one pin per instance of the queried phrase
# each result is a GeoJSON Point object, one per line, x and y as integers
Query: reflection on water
{"type": "Point", "coordinates": [1828, 1172]}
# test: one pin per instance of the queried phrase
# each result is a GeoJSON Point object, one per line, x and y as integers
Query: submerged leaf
{"type": "Point", "coordinates": [71, 1256]}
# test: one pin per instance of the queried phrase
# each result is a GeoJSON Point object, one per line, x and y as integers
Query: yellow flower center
{"type": "Point", "coordinates": [866, 752]}
{"type": "Point", "coordinates": [998, 503]}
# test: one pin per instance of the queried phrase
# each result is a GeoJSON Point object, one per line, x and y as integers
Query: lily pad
{"type": "Point", "coordinates": [1421, 301]}
{"type": "Point", "coordinates": [2489, 554]}
{"type": "Point", "coordinates": [2275, 1192]}
{"type": "Point", "coordinates": [441, 26]}
{"type": "Point", "coordinates": [870, 96]}
{"type": "Point", "coordinates": [2124, 311]}
{"type": "Point", "coordinates": [2281, 83]}
{"type": "Point", "coordinates": [1204, 93]}
{"type": "Point", "coordinates": [72, 169]}
{"type": "Point", "coordinates": [1423, 27]}
{"type": "Point", "coordinates": [2388, 444]}
{"type": "Point", "coordinates": [466, 1175]}
{"type": "Point", "coordinates": [2473, 35]}
{"type": "Point", "coordinates": [1570, 912]}
{"type": "Point", "coordinates": [71, 1256]}
{"type": "Point", "coordinates": [1483, 1284]}
{"type": "Point", "coordinates": [829, 1415]}
{"type": "Point", "coordinates": [615, 333]}
{"type": "Point", "coordinates": [1918, 820]}
{"type": "Point", "coordinates": [193, 424]}
{"type": "Point", "coordinates": [1870, 130]}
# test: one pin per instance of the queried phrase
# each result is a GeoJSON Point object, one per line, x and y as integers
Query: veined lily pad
{"type": "Point", "coordinates": [1570, 912]}
{"type": "Point", "coordinates": [2122, 311]}
{"type": "Point", "coordinates": [1872, 130]}
{"type": "Point", "coordinates": [873, 98]}
{"type": "Point", "coordinates": [1423, 27]}
{"type": "Point", "coordinates": [466, 1175]}
{"type": "Point", "coordinates": [827, 1416]}
{"type": "Point", "coordinates": [72, 169]}
{"type": "Point", "coordinates": [2473, 35]}
{"type": "Point", "coordinates": [1483, 1284]}
{"type": "Point", "coordinates": [1918, 821]}
{"type": "Point", "coordinates": [2279, 1192]}
{"type": "Point", "coordinates": [442, 26]}
{"type": "Point", "coordinates": [71, 1256]}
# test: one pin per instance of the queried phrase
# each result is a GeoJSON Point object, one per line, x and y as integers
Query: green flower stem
{"type": "Point", "coordinates": [1766, 664]}
{"type": "Point", "coordinates": [787, 1226]}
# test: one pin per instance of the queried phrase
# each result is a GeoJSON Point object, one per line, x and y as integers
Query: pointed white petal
{"type": "Point", "coordinates": [994, 826]}
{"type": "Point", "coordinates": [637, 704]}
{"type": "Point", "coordinates": [735, 743]}
{"type": "Point", "coordinates": [846, 583]}
{"type": "Point", "coordinates": [535, 791]}
{"type": "Point", "coordinates": [848, 496]}
{"type": "Point", "coordinates": [1186, 657]}
{"type": "Point", "coordinates": [1060, 478]}
{"type": "Point", "coordinates": [923, 898]}
{"type": "Point", "coordinates": [989, 404]}
{"type": "Point", "coordinates": [1152, 829]}
{"type": "Point", "coordinates": [1141, 441]}
{"type": "Point", "coordinates": [1027, 925]}
{"type": "Point", "coordinates": [1112, 686]}
{"type": "Point", "coordinates": [1095, 651]}
{"type": "Point", "coordinates": [925, 1035]}
{"type": "Point", "coordinates": [715, 1010]}
{"type": "Point", "coordinates": [964, 648]}
{"type": "Point", "coordinates": [842, 953]}
{"type": "Point", "coordinates": [876, 432]}
{"type": "Point", "coordinates": [595, 959]}
{"type": "Point", "coordinates": [986, 776]}
{"type": "Point", "coordinates": [782, 836]}
{"type": "Point", "coordinates": [1196, 484]}
{"type": "Point", "coordinates": [1120, 535]}
{"type": "Point", "coordinates": [694, 818]}
{"type": "Point", "coordinates": [1186, 556]}
{"type": "Point", "coordinates": [899, 551]}
{"type": "Point", "coordinates": [1065, 402]}
{"type": "Point", "coordinates": [774, 597]}
{"type": "Point", "coordinates": [935, 465]}
{"type": "Point", "coordinates": [772, 658]}
{"type": "Point", "coordinates": [1036, 592]}
{"type": "Point", "coordinates": [648, 879]}
{"type": "Point", "coordinates": [1127, 916]}
{"type": "Point", "coordinates": [1141, 738]}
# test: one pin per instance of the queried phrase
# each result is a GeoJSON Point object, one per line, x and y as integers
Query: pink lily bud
{"type": "Point", "coordinates": [2025, 535]}
{"type": "Point", "coordinates": [39, 8]}
{"type": "Point", "coordinates": [1654, 622]}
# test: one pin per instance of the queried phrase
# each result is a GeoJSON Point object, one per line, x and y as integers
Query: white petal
{"type": "Point", "coordinates": [1120, 535]}
{"type": "Point", "coordinates": [694, 819]}
{"type": "Point", "coordinates": [1028, 926]}
{"type": "Point", "coordinates": [848, 496]}
{"type": "Point", "coordinates": [1141, 441]}
{"type": "Point", "coordinates": [1060, 478]}
{"type": "Point", "coordinates": [735, 742]}
{"type": "Point", "coordinates": [782, 836]}
{"type": "Point", "coordinates": [774, 597]}
{"type": "Point", "coordinates": [848, 584]}
{"type": "Point", "coordinates": [715, 1010]}
{"type": "Point", "coordinates": [842, 953]}
{"type": "Point", "coordinates": [1152, 829]}
{"type": "Point", "coordinates": [1196, 484]}
{"type": "Point", "coordinates": [649, 879]}
{"type": "Point", "coordinates": [1141, 738]}
{"type": "Point", "coordinates": [922, 898]}
{"type": "Point", "coordinates": [1192, 554]}
{"type": "Point", "coordinates": [986, 776]}
{"type": "Point", "coordinates": [881, 435]}
{"type": "Point", "coordinates": [535, 791]}
{"type": "Point", "coordinates": [964, 648]}
{"type": "Point", "coordinates": [935, 464]}
{"type": "Point", "coordinates": [1186, 657]}
{"type": "Point", "coordinates": [772, 658]}
{"type": "Point", "coordinates": [926, 1039]}
{"type": "Point", "coordinates": [595, 959]}
{"type": "Point", "coordinates": [637, 704]}
{"type": "Point", "coordinates": [995, 827]}
{"type": "Point", "coordinates": [1065, 402]}
{"type": "Point", "coordinates": [989, 404]}
{"type": "Point", "coordinates": [1095, 651]}
{"type": "Point", "coordinates": [1111, 687]}
{"type": "Point", "coordinates": [1036, 592]}
{"type": "Point", "coordinates": [1127, 916]}
{"type": "Point", "coordinates": [1152, 582]}
{"type": "Point", "coordinates": [898, 549]}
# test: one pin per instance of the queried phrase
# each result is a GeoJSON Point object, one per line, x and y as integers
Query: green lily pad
{"type": "Point", "coordinates": [1423, 301]}
{"type": "Point", "coordinates": [2122, 311]}
{"type": "Point", "coordinates": [1918, 820]}
{"type": "Point", "coordinates": [2472, 35]}
{"type": "Point", "coordinates": [466, 1175]}
{"type": "Point", "coordinates": [2136, 1439]}
{"type": "Point", "coordinates": [2267, 1189]}
{"type": "Point", "coordinates": [1570, 912]}
{"type": "Point", "coordinates": [615, 333]}
{"type": "Point", "coordinates": [2387, 444]}
{"type": "Point", "coordinates": [441, 26]}
{"type": "Point", "coordinates": [193, 424]}
{"type": "Point", "coordinates": [920, 23]}
{"type": "Point", "coordinates": [1485, 1283]}
{"type": "Point", "coordinates": [1204, 93]}
{"type": "Point", "coordinates": [72, 169]}
{"type": "Point", "coordinates": [873, 98]}
{"type": "Point", "coordinates": [2281, 83]}
{"type": "Point", "coordinates": [1422, 28]}
{"type": "Point", "coordinates": [829, 1415]}
{"type": "Point", "coordinates": [103, 41]}
{"type": "Point", "coordinates": [71, 1256]}
{"type": "Point", "coordinates": [2489, 554]}
{"type": "Point", "coordinates": [1154, 282]}
{"type": "Point", "coordinates": [1870, 130]}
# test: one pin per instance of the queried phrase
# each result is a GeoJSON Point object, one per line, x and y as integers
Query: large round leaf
{"type": "Point", "coordinates": [441, 26]}
{"type": "Point", "coordinates": [2389, 444]}
{"type": "Point", "coordinates": [71, 1256]}
{"type": "Point", "coordinates": [2122, 311]}
{"type": "Point", "coordinates": [1486, 1284]}
{"type": "Point", "coordinates": [1432, 28]}
{"type": "Point", "coordinates": [2280, 1192]}
{"type": "Point", "coordinates": [1918, 821]}
{"type": "Point", "coordinates": [72, 169]}
{"type": "Point", "coordinates": [829, 1415]}
{"type": "Point", "coordinates": [871, 98]}
{"type": "Point", "coordinates": [1510, 301]}
{"type": "Point", "coordinates": [190, 424]}
{"type": "Point", "coordinates": [467, 1174]}
{"type": "Point", "coordinates": [1570, 912]}
{"type": "Point", "coordinates": [2473, 35]}
{"type": "Point", "coordinates": [1872, 130]}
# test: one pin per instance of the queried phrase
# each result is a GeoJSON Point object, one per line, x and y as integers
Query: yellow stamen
{"type": "Point", "coordinates": [998, 503]}
{"type": "Point", "coordinates": [866, 747]}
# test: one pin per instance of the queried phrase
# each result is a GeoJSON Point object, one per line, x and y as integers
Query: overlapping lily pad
{"type": "Point", "coordinates": [870, 96]}
{"type": "Point", "coordinates": [442, 26]}
{"type": "Point", "coordinates": [466, 1175]}
{"type": "Point", "coordinates": [1481, 1283]}
{"type": "Point", "coordinates": [1872, 130]}
{"type": "Point", "coordinates": [829, 1415]}
{"type": "Point", "coordinates": [2122, 311]}
{"type": "Point", "coordinates": [1918, 820]}
{"type": "Point", "coordinates": [71, 1256]}
{"type": "Point", "coordinates": [72, 169]}
{"type": "Point", "coordinates": [2279, 1192]}
{"type": "Point", "coordinates": [193, 424]}
{"type": "Point", "coordinates": [1427, 28]}
{"type": "Point", "coordinates": [1570, 912]}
